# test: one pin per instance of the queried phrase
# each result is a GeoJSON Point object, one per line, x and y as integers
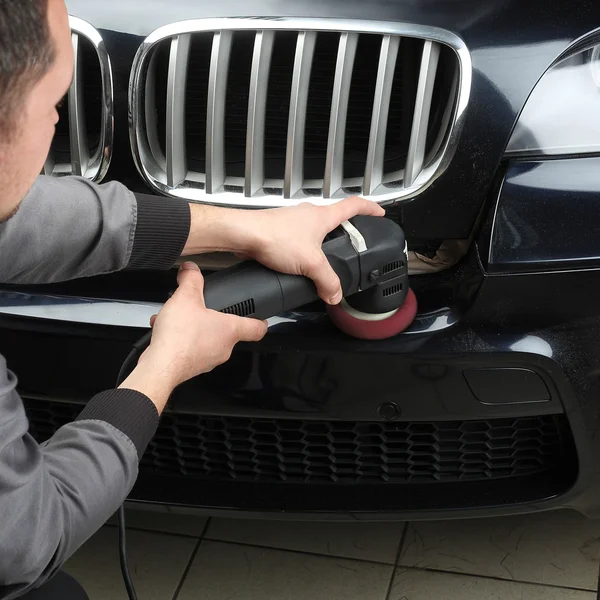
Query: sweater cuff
{"type": "Point", "coordinates": [161, 232]}
{"type": "Point", "coordinates": [129, 411]}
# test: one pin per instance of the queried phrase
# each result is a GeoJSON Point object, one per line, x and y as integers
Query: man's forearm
{"type": "Point", "coordinates": [216, 229]}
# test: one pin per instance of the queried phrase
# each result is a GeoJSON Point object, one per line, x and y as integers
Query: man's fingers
{"type": "Point", "coordinates": [350, 207]}
{"type": "Point", "coordinates": [190, 279]}
{"type": "Point", "coordinates": [328, 283]}
{"type": "Point", "coordinates": [250, 330]}
{"type": "Point", "coordinates": [153, 320]}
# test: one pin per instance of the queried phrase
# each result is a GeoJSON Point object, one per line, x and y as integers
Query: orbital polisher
{"type": "Point", "coordinates": [369, 255]}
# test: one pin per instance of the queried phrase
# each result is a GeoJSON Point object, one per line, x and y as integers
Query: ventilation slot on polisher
{"type": "Point", "coordinates": [392, 290]}
{"type": "Point", "coordinates": [241, 309]}
{"type": "Point", "coordinates": [395, 266]}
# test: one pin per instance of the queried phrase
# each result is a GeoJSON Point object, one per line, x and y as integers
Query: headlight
{"type": "Point", "coordinates": [562, 115]}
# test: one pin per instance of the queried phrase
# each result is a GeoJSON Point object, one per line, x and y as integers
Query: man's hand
{"type": "Point", "coordinates": [290, 240]}
{"type": "Point", "coordinates": [287, 240]}
{"type": "Point", "coordinates": [188, 339]}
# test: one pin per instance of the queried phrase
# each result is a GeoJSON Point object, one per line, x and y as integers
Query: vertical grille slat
{"type": "Point", "coordinates": [77, 124]}
{"type": "Point", "coordinates": [175, 142]}
{"type": "Point", "coordinates": [276, 112]}
{"type": "Point", "coordinates": [215, 126]}
{"type": "Point", "coordinates": [443, 129]}
{"type": "Point", "coordinates": [294, 170]}
{"type": "Point", "coordinates": [418, 136]}
{"type": "Point", "coordinates": [257, 111]}
{"type": "Point", "coordinates": [379, 120]}
{"type": "Point", "coordinates": [151, 114]}
{"type": "Point", "coordinates": [334, 166]}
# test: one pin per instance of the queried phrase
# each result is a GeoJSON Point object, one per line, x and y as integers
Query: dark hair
{"type": "Point", "coordinates": [26, 54]}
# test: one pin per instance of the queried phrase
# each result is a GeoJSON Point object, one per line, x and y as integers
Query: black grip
{"type": "Point", "coordinates": [247, 290]}
{"type": "Point", "coordinates": [252, 290]}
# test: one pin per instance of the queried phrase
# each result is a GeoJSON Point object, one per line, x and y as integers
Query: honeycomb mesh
{"type": "Point", "coordinates": [279, 450]}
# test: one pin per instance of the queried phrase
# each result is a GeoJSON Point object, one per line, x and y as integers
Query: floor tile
{"type": "Point", "coordinates": [245, 573]}
{"type": "Point", "coordinates": [162, 518]}
{"type": "Point", "coordinates": [366, 541]}
{"type": "Point", "coordinates": [425, 585]}
{"type": "Point", "coordinates": [156, 561]}
{"type": "Point", "coordinates": [558, 548]}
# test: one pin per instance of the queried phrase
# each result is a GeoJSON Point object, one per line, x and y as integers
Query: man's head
{"type": "Point", "coordinates": [36, 69]}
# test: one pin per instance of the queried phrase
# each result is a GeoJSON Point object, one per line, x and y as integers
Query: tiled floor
{"type": "Point", "coordinates": [552, 556]}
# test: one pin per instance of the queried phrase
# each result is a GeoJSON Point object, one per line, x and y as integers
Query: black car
{"type": "Point", "coordinates": [475, 122]}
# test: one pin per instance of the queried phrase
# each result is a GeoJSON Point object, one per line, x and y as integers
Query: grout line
{"type": "Point", "coordinates": [402, 542]}
{"type": "Point", "coordinates": [206, 526]}
{"type": "Point", "coordinates": [398, 554]}
{"type": "Point", "coordinates": [302, 552]}
{"type": "Point", "coordinates": [492, 578]}
{"type": "Point", "coordinates": [407, 568]}
{"type": "Point", "coordinates": [187, 536]}
{"type": "Point", "coordinates": [187, 569]}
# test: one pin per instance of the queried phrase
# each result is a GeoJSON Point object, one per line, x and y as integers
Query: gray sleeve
{"type": "Point", "coordinates": [54, 496]}
{"type": "Point", "coordinates": [69, 228]}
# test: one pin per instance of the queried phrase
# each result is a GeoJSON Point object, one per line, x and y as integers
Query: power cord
{"type": "Point", "coordinates": [123, 555]}
{"type": "Point", "coordinates": [126, 368]}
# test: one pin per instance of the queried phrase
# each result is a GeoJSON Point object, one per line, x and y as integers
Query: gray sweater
{"type": "Point", "coordinates": [54, 496]}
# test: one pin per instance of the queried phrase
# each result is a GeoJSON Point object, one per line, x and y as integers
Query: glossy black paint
{"type": "Point", "coordinates": [512, 43]}
{"type": "Point", "coordinates": [548, 216]}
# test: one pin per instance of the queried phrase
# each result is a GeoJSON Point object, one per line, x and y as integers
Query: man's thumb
{"type": "Point", "coordinates": [251, 330]}
{"type": "Point", "coordinates": [190, 276]}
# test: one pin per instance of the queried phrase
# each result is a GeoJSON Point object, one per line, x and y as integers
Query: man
{"type": "Point", "coordinates": [53, 497]}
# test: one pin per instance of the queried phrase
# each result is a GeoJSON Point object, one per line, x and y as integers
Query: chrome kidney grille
{"type": "Point", "coordinates": [260, 113]}
{"type": "Point", "coordinates": [83, 141]}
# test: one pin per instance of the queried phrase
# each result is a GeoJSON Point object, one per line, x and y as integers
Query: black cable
{"type": "Point", "coordinates": [130, 362]}
{"type": "Point", "coordinates": [126, 368]}
{"type": "Point", "coordinates": [123, 555]}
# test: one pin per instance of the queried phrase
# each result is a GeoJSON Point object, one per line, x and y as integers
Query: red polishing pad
{"type": "Point", "coordinates": [369, 327]}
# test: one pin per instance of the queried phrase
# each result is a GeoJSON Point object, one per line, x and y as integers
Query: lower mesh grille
{"type": "Point", "coordinates": [279, 450]}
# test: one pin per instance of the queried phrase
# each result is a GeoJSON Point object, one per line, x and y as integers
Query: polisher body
{"type": "Point", "coordinates": [368, 254]}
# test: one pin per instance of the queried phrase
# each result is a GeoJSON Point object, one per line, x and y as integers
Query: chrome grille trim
{"type": "Point", "coordinates": [294, 158]}
{"type": "Point", "coordinates": [151, 117]}
{"type": "Point", "coordinates": [77, 126]}
{"type": "Point", "coordinates": [257, 112]}
{"type": "Point", "coordinates": [416, 150]}
{"type": "Point", "coordinates": [217, 88]}
{"type": "Point", "coordinates": [383, 91]}
{"type": "Point", "coordinates": [423, 165]}
{"type": "Point", "coordinates": [83, 162]}
{"type": "Point", "coordinates": [176, 149]}
{"type": "Point", "coordinates": [334, 165]}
